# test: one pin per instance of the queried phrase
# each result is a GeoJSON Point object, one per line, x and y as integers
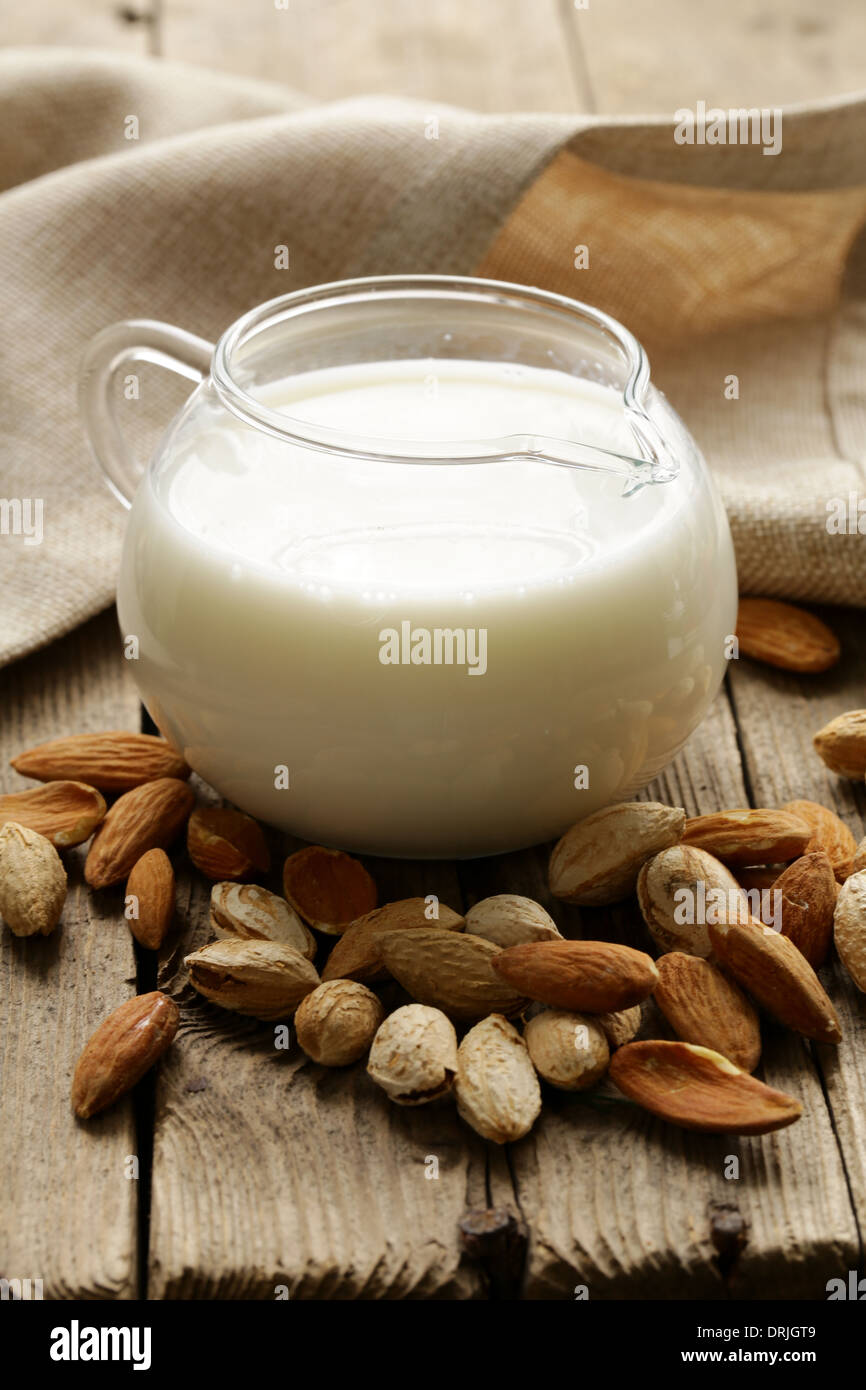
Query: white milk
{"type": "Point", "coordinates": [296, 610]}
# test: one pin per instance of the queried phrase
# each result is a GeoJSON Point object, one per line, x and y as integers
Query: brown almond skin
{"type": "Point", "coordinates": [114, 761]}
{"type": "Point", "coordinates": [783, 635]}
{"type": "Point", "coordinates": [226, 844]}
{"type": "Point", "coordinates": [703, 1006]}
{"type": "Point", "coordinates": [152, 883]}
{"type": "Point", "coordinates": [829, 833]}
{"type": "Point", "coordinates": [328, 888]}
{"type": "Point", "coordinates": [66, 813]}
{"type": "Point", "coordinates": [808, 888]}
{"type": "Point", "coordinates": [357, 954]}
{"type": "Point", "coordinates": [589, 976]}
{"type": "Point", "coordinates": [696, 1088]}
{"type": "Point", "coordinates": [749, 835]}
{"type": "Point", "coordinates": [122, 1049]}
{"type": "Point", "coordinates": [148, 817]}
{"type": "Point", "coordinates": [778, 976]}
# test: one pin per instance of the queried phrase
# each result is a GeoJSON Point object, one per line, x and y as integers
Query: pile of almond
{"type": "Point", "coordinates": [500, 1001]}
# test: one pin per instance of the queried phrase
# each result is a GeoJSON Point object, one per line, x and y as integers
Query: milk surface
{"type": "Point", "coordinates": [298, 596]}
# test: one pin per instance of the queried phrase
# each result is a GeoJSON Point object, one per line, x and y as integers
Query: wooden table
{"type": "Point", "coordinates": [243, 1169]}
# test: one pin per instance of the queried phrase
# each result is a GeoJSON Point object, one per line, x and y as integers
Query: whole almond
{"type": "Point", "coordinates": [414, 1055]}
{"type": "Point", "coordinates": [122, 1049]}
{"type": "Point", "coordinates": [32, 881]}
{"type": "Point", "coordinates": [620, 1027]}
{"type": "Point", "coordinates": [598, 860]}
{"type": "Point", "coordinates": [697, 1088]}
{"type": "Point", "coordinates": [703, 1006]}
{"type": "Point", "coordinates": [587, 976]}
{"type": "Point", "coordinates": [569, 1050]}
{"type": "Point", "coordinates": [829, 834]}
{"type": "Point", "coordinates": [449, 970]}
{"type": "Point", "coordinates": [782, 635]}
{"type": "Point", "coordinates": [850, 927]}
{"type": "Point", "coordinates": [150, 898]}
{"type": "Point", "coordinates": [113, 761]}
{"type": "Point", "coordinates": [357, 953]}
{"type": "Point", "coordinates": [247, 912]}
{"type": "Point", "coordinates": [262, 979]}
{"type": "Point", "coordinates": [777, 976]}
{"type": "Point", "coordinates": [497, 1089]}
{"type": "Point", "coordinates": [66, 813]}
{"type": "Point", "coordinates": [337, 1022]}
{"type": "Point", "coordinates": [328, 888]}
{"type": "Point", "coordinates": [808, 889]}
{"type": "Point", "coordinates": [749, 836]}
{"type": "Point", "coordinates": [148, 817]}
{"type": "Point", "coordinates": [681, 883]}
{"type": "Point", "coordinates": [224, 843]}
{"type": "Point", "coordinates": [841, 744]}
{"type": "Point", "coordinates": [508, 919]}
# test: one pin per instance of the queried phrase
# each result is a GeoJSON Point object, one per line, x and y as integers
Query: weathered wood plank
{"type": "Point", "coordinates": [656, 58]}
{"type": "Point", "coordinates": [620, 1202]}
{"type": "Point", "coordinates": [271, 1171]}
{"type": "Point", "coordinates": [83, 24]}
{"type": "Point", "coordinates": [69, 1210]}
{"type": "Point", "coordinates": [499, 55]}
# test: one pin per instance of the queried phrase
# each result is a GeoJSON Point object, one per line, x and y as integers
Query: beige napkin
{"type": "Point", "coordinates": [723, 261]}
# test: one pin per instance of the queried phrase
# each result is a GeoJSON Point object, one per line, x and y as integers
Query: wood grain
{"type": "Point", "coordinates": [69, 1211]}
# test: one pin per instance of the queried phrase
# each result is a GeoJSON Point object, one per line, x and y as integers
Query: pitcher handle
{"type": "Point", "coordinates": [136, 340]}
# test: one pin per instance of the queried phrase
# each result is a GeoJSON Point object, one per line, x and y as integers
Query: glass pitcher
{"type": "Point", "coordinates": [425, 566]}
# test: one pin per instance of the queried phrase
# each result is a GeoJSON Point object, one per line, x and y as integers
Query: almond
{"type": "Point", "coordinates": [568, 1050]}
{"type": "Point", "coordinates": [841, 744]}
{"type": "Point", "coordinates": [262, 979]}
{"type": "Point", "coordinates": [850, 927]}
{"type": "Point", "coordinates": [337, 1022]}
{"type": "Point", "coordinates": [357, 955]}
{"type": "Point", "coordinates": [782, 635]}
{"type": "Point", "coordinates": [620, 1027]}
{"type": "Point", "coordinates": [829, 834]}
{"type": "Point", "coordinates": [122, 1049]}
{"type": "Point", "coordinates": [32, 881]}
{"type": "Point", "coordinates": [148, 817]}
{"type": "Point", "coordinates": [778, 976]}
{"type": "Point", "coordinates": [223, 843]}
{"type": "Point", "coordinates": [66, 813]}
{"type": "Point", "coordinates": [589, 976]}
{"type": "Point", "coordinates": [450, 971]}
{"type": "Point", "coordinates": [497, 1089]}
{"type": "Point", "coordinates": [113, 761]}
{"type": "Point", "coordinates": [747, 836]}
{"type": "Point", "coordinates": [328, 888]}
{"type": "Point", "coordinates": [598, 860]}
{"type": "Point", "coordinates": [243, 911]}
{"type": "Point", "coordinates": [697, 1088]}
{"type": "Point", "coordinates": [508, 920]}
{"type": "Point", "coordinates": [703, 1006]}
{"type": "Point", "coordinates": [808, 889]}
{"type": "Point", "coordinates": [150, 898]}
{"type": "Point", "coordinates": [683, 883]}
{"type": "Point", "coordinates": [414, 1055]}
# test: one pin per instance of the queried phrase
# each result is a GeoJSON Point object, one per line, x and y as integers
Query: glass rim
{"type": "Point", "coordinates": [398, 450]}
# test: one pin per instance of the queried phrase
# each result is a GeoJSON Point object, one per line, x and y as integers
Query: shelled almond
{"type": "Point", "coordinates": [808, 900]}
{"type": "Point", "coordinates": [783, 635]}
{"type": "Point", "coordinates": [328, 888]}
{"type": "Point", "coordinates": [66, 813]}
{"type": "Point", "coordinates": [148, 817]}
{"type": "Point", "coordinates": [114, 761]}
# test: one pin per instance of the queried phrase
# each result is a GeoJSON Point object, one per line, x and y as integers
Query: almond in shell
{"type": "Point", "coordinates": [148, 817]}
{"type": "Point", "coordinates": [262, 979]}
{"type": "Point", "coordinates": [697, 1088]}
{"type": "Point", "coordinates": [621, 1026]}
{"type": "Point", "coordinates": [497, 1089]}
{"type": "Point", "coordinates": [829, 834]}
{"type": "Point", "coordinates": [328, 888]}
{"type": "Point", "coordinates": [150, 898]}
{"type": "Point", "coordinates": [676, 891]}
{"type": "Point", "coordinates": [568, 1050]}
{"type": "Point", "coordinates": [450, 970]}
{"type": "Point", "coordinates": [357, 955]}
{"type": "Point", "coordinates": [749, 836]}
{"type": "Point", "coordinates": [414, 1055]}
{"type": "Point", "coordinates": [704, 1006]}
{"type": "Point", "coordinates": [32, 881]}
{"type": "Point", "coordinates": [850, 927]}
{"type": "Point", "coordinates": [841, 744]}
{"type": "Point", "coordinates": [808, 901]}
{"type": "Point", "coordinates": [507, 919]}
{"type": "Point", "coordinates": [598, 860]}
{"type": "Point", "coordinates": [66, 813]}
{"type": "Point", "coordinates": [113, 761]}
{"type": "Point", "coordinates": [778, 976]}
{"type": "Point", "coordinates": [337, 1021]}
{"type": "Point", "coordinates": [244, 911]}
{"type": "Point", "coordinates": [122, 1049]}
{"type": "Point", "coordinates": [587, 976]}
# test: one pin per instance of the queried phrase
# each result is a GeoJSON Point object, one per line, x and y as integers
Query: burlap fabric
{"type": "Point", "coordinates": [728, 264]}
